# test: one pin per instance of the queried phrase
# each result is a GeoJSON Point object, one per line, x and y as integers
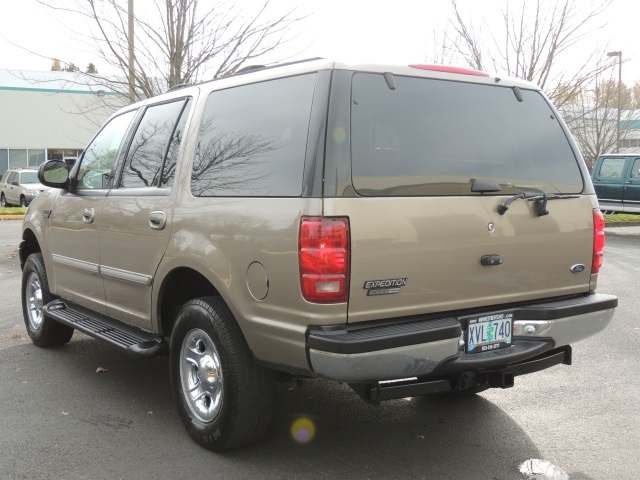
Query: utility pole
{"type": "Point", "coordinates": [619, 55]}
{"type": "Point", "coordinates": [132, 81]}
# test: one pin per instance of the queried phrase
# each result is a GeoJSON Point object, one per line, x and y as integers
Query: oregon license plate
{"type": "Point", "coordinates": [489, 332]}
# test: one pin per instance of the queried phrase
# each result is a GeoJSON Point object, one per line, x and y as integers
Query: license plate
{"type": "Point", "coordinates": [489, 332]}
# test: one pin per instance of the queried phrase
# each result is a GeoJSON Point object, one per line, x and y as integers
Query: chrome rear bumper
{"type": "Point", "coordinates": [435, 347]}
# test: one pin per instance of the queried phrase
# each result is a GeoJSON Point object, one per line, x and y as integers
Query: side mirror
{"type": "Point", "coordinates": [15, 184]}
{"type": "Point", "coordinates": [54, 173]}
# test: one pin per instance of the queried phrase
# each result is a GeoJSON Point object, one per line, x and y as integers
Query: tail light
{"type": "Point", "coordinates": [323, 252]}
{"type": "Point", "coordinates": [598, 240]}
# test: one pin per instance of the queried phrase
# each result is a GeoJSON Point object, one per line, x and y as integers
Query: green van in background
{"type": "Point", "coordinates": [616, 178]}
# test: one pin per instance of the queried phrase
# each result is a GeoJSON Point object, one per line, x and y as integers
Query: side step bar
{"type": "Point", "coordinates": [376, 392]}
{"type": "Point", "coordinates": [131, 339]}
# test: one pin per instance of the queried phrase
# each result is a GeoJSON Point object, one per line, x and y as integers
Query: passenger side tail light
{"type": "Point", "coordinates": [598, 240]}
{"type": "Point", "coordinates": [323, 252]}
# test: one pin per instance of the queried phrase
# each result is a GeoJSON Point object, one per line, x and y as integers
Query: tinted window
{"type": "Point", "coordinates": [98, 159]}
{"type": "Point", "coordinates": [612, 167]}
{"type": "Point", "coordinates": [635, 172]}
{"type": "Point", "coordinates": [252, 139]}
{"type": "Point", "coordinates": [432, 137]}
{"type": "Point", "coordinates": [13, 177]}
{"type": "Point", "coordinates": [149, 145]}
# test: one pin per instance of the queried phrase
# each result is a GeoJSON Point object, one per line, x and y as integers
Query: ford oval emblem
{"type": "Point", "coordinates": [579, 268]}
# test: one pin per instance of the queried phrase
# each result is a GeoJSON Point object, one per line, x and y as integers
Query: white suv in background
{"type": "Point", "coordinates": [19, 186]}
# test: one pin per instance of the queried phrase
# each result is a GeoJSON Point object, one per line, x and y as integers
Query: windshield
{"type": "Point", "coordinates": [434, 137]}
{"type": "Point", "coordinates": [29, 177]}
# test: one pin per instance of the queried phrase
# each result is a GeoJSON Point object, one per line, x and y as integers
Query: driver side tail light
{"type": "Point", "coordinates": [324, 259]}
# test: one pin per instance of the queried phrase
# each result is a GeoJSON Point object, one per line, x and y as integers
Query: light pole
{"type": "Point", "coordinates": [619, 55]}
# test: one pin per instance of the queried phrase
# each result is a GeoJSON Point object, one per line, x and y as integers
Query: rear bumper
{"type": "Point", "coordinates": [433, 347]}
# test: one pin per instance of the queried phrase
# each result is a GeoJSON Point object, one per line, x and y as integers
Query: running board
{"type": "Point", "coordinates": [135, 341]}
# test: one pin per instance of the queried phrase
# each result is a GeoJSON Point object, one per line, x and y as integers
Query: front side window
{"type": "Point", "coordinates": [612, 168]}
{"type": "Point", "coordinates": [635, 172]}
{"type": "Point", "coordinates": [145, 159]}
{"type": "Point", "coordinates": [252, 139]}
{"type": "Point", "coordinates": [100, 155]}
{"type": "Point", "coordinates": [434, 137]}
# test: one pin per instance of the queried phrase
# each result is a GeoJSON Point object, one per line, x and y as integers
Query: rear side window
{"type": "Point", "coordinates": [252, 140]}
{"type": "Point", "coordinates": [611, 167]}
{"type": "Point", "coordinates": [433, 137]}
{"type": "Point", "coordinates": [153, 139]}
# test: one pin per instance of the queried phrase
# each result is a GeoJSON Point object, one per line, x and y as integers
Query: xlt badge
{"type": "Point", "coordinates": [384, 287]}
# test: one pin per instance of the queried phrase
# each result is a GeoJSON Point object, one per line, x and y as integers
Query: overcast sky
{"type": "Point", "coordinates": [387, 32]}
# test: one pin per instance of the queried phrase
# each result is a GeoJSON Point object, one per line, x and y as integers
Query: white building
{"type": "Point", "coordinates": [48, 115]}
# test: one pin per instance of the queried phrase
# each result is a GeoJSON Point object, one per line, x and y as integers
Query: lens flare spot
{"type": "Point", "coordinates": [303, 430]}
{"type": "Point", "coordinates": [339, 135]}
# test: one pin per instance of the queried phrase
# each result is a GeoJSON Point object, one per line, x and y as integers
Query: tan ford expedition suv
{"type": "Point", "coordinates": [407, 230]}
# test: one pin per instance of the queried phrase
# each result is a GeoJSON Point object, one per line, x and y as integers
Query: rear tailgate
{"type": "Point", "coordinates": [432, 158]}
{"type": "Point", "coordinates": [414, 256]}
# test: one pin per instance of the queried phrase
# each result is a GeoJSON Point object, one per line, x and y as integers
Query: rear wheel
{"type": "Point", "coordinates": [43, 331]}
{"type": "Point", "coordinates": [224, 398]}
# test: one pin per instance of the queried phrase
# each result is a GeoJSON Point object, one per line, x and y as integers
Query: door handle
{"type": "Point", "coordinates": [157, 220]}
{"type": "Point", "coordinates": [88, 215]}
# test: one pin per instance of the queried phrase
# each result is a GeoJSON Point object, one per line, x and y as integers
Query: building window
{"type": "Point", "coordinates": [18, 157]}
{"type": "Point", "coordinates": [36, 157]}
{"type": "Point", "coordinates": [4, 160]}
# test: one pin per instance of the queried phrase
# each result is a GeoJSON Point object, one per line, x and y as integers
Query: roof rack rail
{"type": "Point", "coordinates": [178, 87]}
{"type": "Point", "coordinates": [243, 71]}
{"type": "Point", "coordinates": [252, 68]}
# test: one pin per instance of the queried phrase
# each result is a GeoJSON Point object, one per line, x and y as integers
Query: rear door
{"type": "Point", "coordinates": [135, 222]}
{"type": "Point", "coordinates": [632, 187]}
{"type": "Point", "coordinates": [431, 162]}
{"type": "Point", "coordinates": [609, 181]}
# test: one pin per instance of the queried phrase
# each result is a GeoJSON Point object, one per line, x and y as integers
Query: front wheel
{"type": "Point", "coordinates": [224, 398]}
{"type": "Point", "coordinates": [23, 201]}
{"type": "Point", "coordinates": [3, 201]}
{"type": "Point", "coordinates": [43, 331]}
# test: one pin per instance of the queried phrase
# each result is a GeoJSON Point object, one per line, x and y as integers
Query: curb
{"type": "Point", "coordinates": [11, 217]}
{"type": "Point", "coordinates": [622, 224]}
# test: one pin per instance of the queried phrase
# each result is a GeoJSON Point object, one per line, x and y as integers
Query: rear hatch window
{"type": "Point", "coordinates": [434, 137]}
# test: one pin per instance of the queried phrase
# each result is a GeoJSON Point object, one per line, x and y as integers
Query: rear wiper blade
{"type": "Point", "coordinates": [540, 205]}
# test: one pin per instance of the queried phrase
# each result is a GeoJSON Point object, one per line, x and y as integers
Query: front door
{"type": "Point", "coordinates": [75, 216]}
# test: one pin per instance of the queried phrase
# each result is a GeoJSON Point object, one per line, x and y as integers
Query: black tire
{"type": "Point", "coordinates": [23, 201]}
{"type": "Point", "coordinates": [43, 331]}
{"type": "Point", "coordinates": [232, 409]}
{"type": "Point", "coordinates": [3, 201]}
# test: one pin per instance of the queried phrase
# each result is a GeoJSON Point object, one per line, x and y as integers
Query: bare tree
{"type": "Point", "coordinates": [533, 42]}
{"type": "Point", "coordinates": [593, 118]}
{"type": "Point", "coordinates": [177, 41]}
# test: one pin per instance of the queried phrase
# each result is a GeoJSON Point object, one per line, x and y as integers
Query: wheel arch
{"type": "Point", "coordinates": [178, 287]}
{"type": "Point", "coordinates": [28, 245]}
